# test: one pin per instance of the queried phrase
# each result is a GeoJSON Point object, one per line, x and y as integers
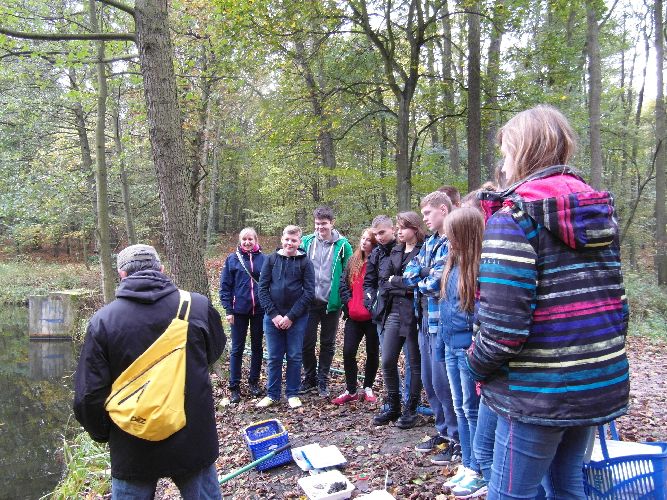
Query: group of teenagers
{"type": "Point", "coordinates": [511, 315]}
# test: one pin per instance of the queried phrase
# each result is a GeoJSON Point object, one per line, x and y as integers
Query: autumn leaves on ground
{"type": "Point", "coordinates": [376, 450]}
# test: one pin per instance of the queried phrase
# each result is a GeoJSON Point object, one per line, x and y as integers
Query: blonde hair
{"type": "Point", "coordinates": [537, 138]}
{"type": "Point", "coordinates": [412, 220]}
{"type": "Point", "coordinates": [464, 228]}
{"type": "Point", "coordinates": [248, 230]}
{"type": "Point", "coordinates": [435, 199]}
{"type": "Point", "coordinates": [291, 229]}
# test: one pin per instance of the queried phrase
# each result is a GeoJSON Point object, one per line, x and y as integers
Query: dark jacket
{"type": "Point", "coordinates": [287, 285]}
{"type": "Point", "coordinates": [455, 325]}
{"type": "Point", "coordinates": [553, 313]}
{"type": "Point", "coordinates": [238, 293]}
{"type": "Point", "coordinates": [120, 332]}
{"type": "Point", "coordinates": [398, 296]}
{"type": "Point", "coordinates": [375, 267]}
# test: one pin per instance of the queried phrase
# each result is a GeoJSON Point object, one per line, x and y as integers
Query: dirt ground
{"type": "Point", "coordinates": [380, 450]}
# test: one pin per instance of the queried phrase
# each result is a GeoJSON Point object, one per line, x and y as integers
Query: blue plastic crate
{"type": "Point", "coordinates": [264, 437]}
{"type": "Point", "coordinates": [632, 477]}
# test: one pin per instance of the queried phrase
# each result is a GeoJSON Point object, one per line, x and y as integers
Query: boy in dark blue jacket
{"type": "Point", "coordinates": [286, 288]}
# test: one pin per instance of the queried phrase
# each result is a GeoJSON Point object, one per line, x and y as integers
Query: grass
{"type": "Point", "coordinates": [88, 469]}
{"type": "Point", "coordinates": [648, 306]}
{"type": "Point", "coordinates": [21, 278]}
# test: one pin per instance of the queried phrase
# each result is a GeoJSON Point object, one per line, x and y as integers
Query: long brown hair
{"type": "Point", "coordinates": [358, 258]}
{"type": "Point", "coordinates": [464, 228]}
{"type": "Point", "coordinates": [537, 138]}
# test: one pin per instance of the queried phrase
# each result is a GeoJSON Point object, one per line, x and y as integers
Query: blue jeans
{"type": "Point", "coordinates": [465, 400]}
{"type": "Point", "coordinates": [436, 385]}
{"type": "Point", "coordinates": [284, 344]}
{"type": "Point", "coordinates": [485, 437]}
{"type": "Point", "coordinates": [526, 455]}
{"type": "Point", "coordinates": [201, 485]}
{"type": "Point", "coordinates": [239, 333]}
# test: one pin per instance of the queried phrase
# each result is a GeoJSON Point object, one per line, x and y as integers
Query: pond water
{"type": "Point", "coordinates": [35, 408]}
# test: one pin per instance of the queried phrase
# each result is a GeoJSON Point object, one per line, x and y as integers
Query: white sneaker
{"type": "Point", "coordinates": [265, 402]}
{"type": "Point", "coordinates": [471, 486]}
{"type": "Point", "coordinates": [456, 478]}
{"type": "Point", "coordinates": [369, 396]}
{"type": "Point", "coordinates": [294, 402]}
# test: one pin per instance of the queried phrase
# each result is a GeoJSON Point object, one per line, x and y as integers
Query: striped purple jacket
{"type": "Point", "coordinates": [553, 313]}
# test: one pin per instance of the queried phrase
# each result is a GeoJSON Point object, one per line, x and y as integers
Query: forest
{"type": "Point", "coordinates": [177, 122]}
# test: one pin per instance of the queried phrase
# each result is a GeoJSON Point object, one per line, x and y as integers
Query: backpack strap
{"type": "Point", "coordinates": [240, 258]}
{"type": "Point", "coordinates": [183, 311]}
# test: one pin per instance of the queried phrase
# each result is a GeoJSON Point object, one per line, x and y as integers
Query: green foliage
{"type": "Point", "coordinates": [23, 277]}
{"type": "Point", "coordinates": [648, 305]}
{"type": "Point", "coordinates": [87, 468]}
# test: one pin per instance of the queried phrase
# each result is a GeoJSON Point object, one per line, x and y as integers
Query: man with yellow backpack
{"type": "Point", "coordinates": [143, 386]}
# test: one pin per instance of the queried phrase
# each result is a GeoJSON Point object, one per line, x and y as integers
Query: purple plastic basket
{"type": "Point", "coordinates": [264, 437]}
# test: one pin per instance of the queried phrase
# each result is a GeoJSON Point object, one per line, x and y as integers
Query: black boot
{"type": "Point", "coordinates": [409, 416]}
{"type": "Point", "coordinates": [235, 396]}
{"type": "Point", "coordinates": [391, 413]}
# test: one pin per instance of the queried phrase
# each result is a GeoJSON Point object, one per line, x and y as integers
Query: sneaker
{"type": "Point", "coordinates": [449, 454]}
{"type": "Point", "coordinates": [307, 387]}
{"type": "Point", "coordinates": [430, 443]}
{"type": "Point", "coordinates": [346, 397]}
{"type": "Point", "coordinates": [323, 391]}
{"type": "Point", "coordinates": [456, 478]}
{"type": "Point", "coordinates": [369, 396]}
{"type": "Point", "coordinates": [235, 396]}
{"type": "Point", "coordinates": [471, 486]}
{"type": "Point", "coordinates": [266, 402]}
{"type": "Point", "coordinates": [294, 402]}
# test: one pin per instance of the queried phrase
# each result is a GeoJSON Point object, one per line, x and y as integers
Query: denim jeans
{"type": "Point", "coordinates": [328, 323]}
{"type": "Point", "coordinates": [526, 455]}
{"type": "Point", "coordinates": [485, 437]}
{"type": "Point", "coordinates": [436, 385]}
{"type": "Point", "coordinates": [465, 400]}
{"type": "Point", "coordinates": [354, 333]}
{"type": "Point", "coordinates": [282, 344]}
{"type": "Point", "coordinates": [239, 332]}
{"type": "Point", "coordinates": [392, 343]}
{"type": "Point", "coordinates": [201, 485]}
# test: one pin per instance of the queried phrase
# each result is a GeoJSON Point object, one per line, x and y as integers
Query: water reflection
{"type": "Point", "coordinates": [35, 390]}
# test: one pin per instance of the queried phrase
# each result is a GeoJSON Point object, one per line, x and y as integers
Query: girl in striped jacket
{"type": "Point", "coordinates": [553, 314]}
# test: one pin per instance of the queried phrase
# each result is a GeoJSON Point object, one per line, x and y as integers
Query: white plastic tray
{"type": "Point", "coordinates": [316, 487]}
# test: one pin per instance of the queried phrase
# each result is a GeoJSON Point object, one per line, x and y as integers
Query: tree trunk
{"type": "Point", "coordinates": [474, 99]}
{"type": "Point", "coordinates": [432, 90]}
{"type": "Point", "coordinates": [211, 226]}
{"type": "Point", "coordinates": [594, 93]}
{"type": "Point", "coordinates": [124, 182]}
{"type": "Point", "coordinates": [166, 137]}
{"type": "Point", "coordinates": [492, 78]}
{"type": "Point", "coordinates": [449, 129]}
{"type": "Point", "coordinates": [403, 167]}
{"type": "Point", "coordinates": [325, 139]}
{"type": "Point", "coordinates": [84, 144]}
{"type": "Point", "coordinates": [101, 182]}
{"type": "Point", "coordinates": [661, 151]}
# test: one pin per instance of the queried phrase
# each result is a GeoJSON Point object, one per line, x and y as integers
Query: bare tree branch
{"type": "Point", "coordinates": [130, 37]}
{"type": "Point", "coordinates": [119, 5]}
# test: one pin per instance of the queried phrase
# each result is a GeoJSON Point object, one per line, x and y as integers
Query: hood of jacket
{"type": "Point", "coordinates": [145, 286]}
{"type": "Point", "coordinates": [559, 200]}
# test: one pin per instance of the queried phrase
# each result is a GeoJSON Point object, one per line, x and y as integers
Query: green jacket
{"type": "Point", "coordinates": [342, 253]}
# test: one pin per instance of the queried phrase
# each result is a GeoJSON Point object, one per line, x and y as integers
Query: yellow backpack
{"type": "Point", "coordinates": [147, 399]}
